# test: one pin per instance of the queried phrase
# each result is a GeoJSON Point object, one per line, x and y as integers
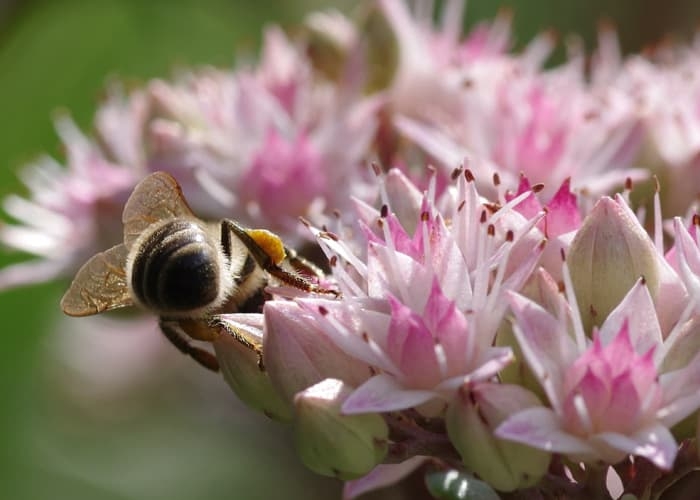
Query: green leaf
{"type": "Point", "coordinates": [455, 485]}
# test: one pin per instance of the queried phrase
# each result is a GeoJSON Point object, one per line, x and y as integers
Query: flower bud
{"type": "Point", "coordinates": [471, 419]}
{"type": "Point", "coordinates": [298, 354]}
{"type": "Point", "coordinates": [238, 350]}
{"type": "Point", "coordinates": [608, 255]}
{"type": "Point", "coordinates": [330, 38]}
{"type": "Point", "coordinates": [332, 444]}
{"type": "Point", "coordinates": [382, 50]}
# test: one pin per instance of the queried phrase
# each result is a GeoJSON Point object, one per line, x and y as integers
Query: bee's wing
{"type": "Point", "coordinates": [100, 285]}
{"type": "Point", "coordinates": [157, 197]}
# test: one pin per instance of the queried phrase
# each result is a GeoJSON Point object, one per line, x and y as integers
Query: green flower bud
{"type": "Point", "coordinates": [608, 255]}
{"type": "Point", "coordinates": [238, 349]}
{"type": "Point", "coordinates": [332, 444]}
{"type": "Point", "coordinates": [330, 38]}
{"type": "Point", "coordinates": [382, 52]}
{"type": "Point", "coordinates": [471, 419]}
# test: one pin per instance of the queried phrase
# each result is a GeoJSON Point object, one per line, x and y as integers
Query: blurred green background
{"type": "Point", "coordinates": [165, 439]}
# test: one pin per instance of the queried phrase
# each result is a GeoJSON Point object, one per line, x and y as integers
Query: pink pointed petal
{"type": "Point", "coordinates": [638, 310]}
{"type": "Point", "coordinates": [540, 427]}
{"type": "Point", "coordinates": [563, 215]}
{"type": "Point", "coordinates": [403, 242]}
{"type": "Point", "coordinates": [531, 205]}
{"type": "Point", "coordinates": [449, 265]}
{"type": "Point", "coordinates": [499, 358]}
{"type": "Point", "coordinates": [396, 273]}
{"type": "Point", "coordinates": [297, 353]}
{"type": "Point", "coordinates": [680, 350]}
{"type": "Point", "coordinates": [450, 326]}
{"type": "Point", "coordinates": [383, 393]}
{"type": "Point", "coordinates": [545, 343]}
{"type": "Point", "coordinates": [525, 266]}
{"type": "Point", "coordinates": [381, 476]}
{"type": "Point", "coordinates": [366, 213]}
{"type": "Point", "coordinates": [674, 293]}
{"type": "Point", "coordinates": [438, 145]}
{"type": "Point", "coordinates": [626, 401]}
{"type": "Point", "coordinates": [404, 198]}
{"type": "Point", "coordinates": [655, 443]}
{"type": "Point", "coordinates": [411, 345]}
{"type": "Point", "coordinates": [686, 247]}
{"type": "Point", "coordinates": [680, 390]}
{"type": "Point", "coordinates": [336, 321]}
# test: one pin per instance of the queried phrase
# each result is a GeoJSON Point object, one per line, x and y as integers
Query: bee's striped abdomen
{"type": "Point", "coordinates": [176, 269]}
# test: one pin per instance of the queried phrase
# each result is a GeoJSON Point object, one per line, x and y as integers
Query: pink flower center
{"type": "Point", "coordinates": [611, 389]}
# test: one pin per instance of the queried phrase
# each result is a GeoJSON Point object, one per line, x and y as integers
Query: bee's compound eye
{"type": "Point", "coordinates": [176, 269]}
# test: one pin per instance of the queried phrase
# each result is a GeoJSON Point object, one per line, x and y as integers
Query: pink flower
{"type": "Point", "coordinates": [270, 143]}
{"type": "Point", "coordinates": [506, 114]}
{"type": "Point", "coordinates": [428, 79]}
{"type": "Point", "coordinates": [71, 212]}
{"type": "Point", "coordinates": [559, 225]}
{"type": "Point", "coordinates": [609, 399]}
{"type": "Point", "coordinates": [421, 310]}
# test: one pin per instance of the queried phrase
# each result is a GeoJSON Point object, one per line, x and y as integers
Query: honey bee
{"type": "Point", "coordinates": [185, 270]}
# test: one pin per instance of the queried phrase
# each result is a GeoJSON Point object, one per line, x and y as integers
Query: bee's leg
{"type": "Point", "coordinates": [302, 265]}
{"type": "Point", "coordinates": [201, 356]}
{"type": "Point", "coordinates": [266, 261]}
{"type": "Point", "coordinates": [244, 339]}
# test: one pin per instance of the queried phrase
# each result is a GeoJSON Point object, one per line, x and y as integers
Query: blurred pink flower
{"type": "Point", "coordinates": [501, 111]}
{"type": "Point", "coordinates": [522, 120]}
{"type": "Point", "coordinates": [270, 143]}
{"type": "Point", "coordinates": [71, 212]}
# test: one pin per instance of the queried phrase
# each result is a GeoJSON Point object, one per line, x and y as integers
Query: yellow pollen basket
{"type": "Point", "coordinates": [270, 243]}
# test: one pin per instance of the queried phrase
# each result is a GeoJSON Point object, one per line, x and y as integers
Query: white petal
{"type": "Point", "coordinates": [654, 443]}
{"type": "Point", "coordinates": [540, 427]}
{"type": "Point", "coordinates": [381, 476]}
{"type": "Point", "coordinates": [383, 393]}
{"type": "Point", "coordinates": [638, 309]}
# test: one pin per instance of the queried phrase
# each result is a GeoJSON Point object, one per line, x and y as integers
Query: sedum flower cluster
{"type": "Point", "coordinates": [514, 315]}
